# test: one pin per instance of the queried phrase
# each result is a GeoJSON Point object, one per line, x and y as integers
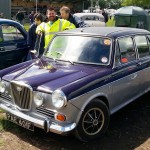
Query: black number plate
{"type": "Point", "coordinates": [21, 122]}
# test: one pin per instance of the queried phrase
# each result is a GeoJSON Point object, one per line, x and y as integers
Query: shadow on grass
{"type": "Point", "coordinates": [128, 129]}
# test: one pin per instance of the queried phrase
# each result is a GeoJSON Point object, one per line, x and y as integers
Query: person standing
{"type": "Point", "coordinates": [105, 15]}
{"type": "Point", "coordinates": [65, 14]}
{"type": "Point", "coordinates": [20, 17]}
{"type": "Point", "coordinates": [31, 18]}
{"type": "Point", "coordinates": [53, 26]}
{"type": "Point", "coordinates": [1, 15]}
{"type": "Point", "coordinates": [32, 36]}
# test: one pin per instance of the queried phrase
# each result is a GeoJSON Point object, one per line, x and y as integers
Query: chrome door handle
{"type": "Point", "coordinates": [133, 76]}
{"type": "Point", "coordinates": [2, 49]}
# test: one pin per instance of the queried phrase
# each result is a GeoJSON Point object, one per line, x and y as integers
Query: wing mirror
{"type": "Point", "coordinates": [34, 54]}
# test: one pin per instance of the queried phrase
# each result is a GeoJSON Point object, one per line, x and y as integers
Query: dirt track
{"type": "Point", "coordinates": [129, 130]}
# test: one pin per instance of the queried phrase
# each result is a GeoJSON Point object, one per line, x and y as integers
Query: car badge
{"type": "Point", "coordinates": [19, 89]}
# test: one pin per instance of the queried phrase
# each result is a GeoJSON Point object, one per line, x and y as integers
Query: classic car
{"type": "Point", "coordinates": [92, 19]}
{"type": "Point", "coordinates": [13, 43]}
{"type": "Point", "coordinates": [84, 76]}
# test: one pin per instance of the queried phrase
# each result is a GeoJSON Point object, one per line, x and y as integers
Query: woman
{"type": "Point", "coordinates": [32, 36]}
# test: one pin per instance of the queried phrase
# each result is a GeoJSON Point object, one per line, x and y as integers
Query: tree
{"type": "Point", "coordinates": [140, 3]}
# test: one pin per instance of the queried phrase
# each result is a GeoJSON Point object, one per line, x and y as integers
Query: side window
{"type": "Point", "coordinates": [127, 51]}
{"type": "Point", "coordinates": [11, 33]}
{"type": "Point", "coordinates": [142, 46]}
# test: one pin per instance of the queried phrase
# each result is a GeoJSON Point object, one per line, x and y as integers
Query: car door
{"type": "Point", "coordinates": [126, 79]}
{"type": "Point", "coordinates": [143, 47]}
{"type": "Point", "coordinates": [13, 48]}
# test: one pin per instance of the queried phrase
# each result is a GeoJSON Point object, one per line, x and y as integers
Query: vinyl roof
{"type": "Point", "coordinates": [106, 31]}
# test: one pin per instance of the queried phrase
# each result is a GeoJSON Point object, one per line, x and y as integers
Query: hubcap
{"type": "Point", "coordinates": [93, 121]}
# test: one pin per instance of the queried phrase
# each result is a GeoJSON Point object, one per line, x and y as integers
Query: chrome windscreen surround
{"type": "Point", "coordinates": [22, 95]}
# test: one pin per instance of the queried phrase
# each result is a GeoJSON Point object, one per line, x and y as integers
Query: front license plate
{"type": "Point", "coordinates": [21, 122]}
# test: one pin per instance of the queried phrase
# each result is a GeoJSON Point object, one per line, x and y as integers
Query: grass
{"type": "Point", "coordinates": [1, 142]}
{"type": "Point", "coordinates": [2, 111]}
{"type": "Point", "coordinates": [7, 125]}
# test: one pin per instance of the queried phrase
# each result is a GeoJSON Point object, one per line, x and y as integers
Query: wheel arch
{"type": "Point", "coordinates": [96, 102]}
{"type": "Point", "coordinates": [100, 97]}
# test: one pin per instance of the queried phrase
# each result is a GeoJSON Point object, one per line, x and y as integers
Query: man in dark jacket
{"type": "Point", "coordinates": [65, 14]}
{"type": "Point", "coordinates": [32, 36]}
{"type": "Point", "coordinates": [105, 15]}
{"type": "Point", "coordinates": [20, 17]}
{"type": "Point", "coordinates": [31, 18]}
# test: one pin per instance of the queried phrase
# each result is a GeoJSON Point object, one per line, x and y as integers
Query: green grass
{"type": "Point", "coordinates": [7, 125]}
{"type": "Point", "coordinates": [1, 142]}
{"type": "Point", "coordinates": [2, 111]}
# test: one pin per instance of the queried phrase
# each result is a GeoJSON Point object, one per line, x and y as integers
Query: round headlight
{"type": "Point", "coordinates": [38, 99]}
{"type": "Point", "coordinates": [2, 87]}
{"type": "Point", "coordinates": [59, 99]}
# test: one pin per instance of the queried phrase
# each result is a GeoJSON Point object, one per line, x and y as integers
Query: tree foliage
{"type": "Point", "coordinates": [141, 3]}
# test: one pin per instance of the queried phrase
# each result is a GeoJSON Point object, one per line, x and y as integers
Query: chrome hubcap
{"type": "Point", "coordinates": [93, 121]}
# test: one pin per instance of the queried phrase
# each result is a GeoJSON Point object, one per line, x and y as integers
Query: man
{"type": "Point", "coordinates": [53, 26]}
{"type": "Point", "coordinates": [20, 17]}
{"type": "Point", "coordinates": [31, 17]}
{"type": "Point", "coordinates": [105, 15]}
{"type": "Point", "coordinates": [1, 15]}
{"type": "Point", "coordinates": [65, 14]}
{"type": "Point", "coordinates": [32, 36]}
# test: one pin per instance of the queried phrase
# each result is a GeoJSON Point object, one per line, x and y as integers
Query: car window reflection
{"type": "Point", "coordinates": [11, 33]}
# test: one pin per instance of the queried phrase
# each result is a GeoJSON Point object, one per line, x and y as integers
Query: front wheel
{"type": "Point", "coordinates": [93, 122]}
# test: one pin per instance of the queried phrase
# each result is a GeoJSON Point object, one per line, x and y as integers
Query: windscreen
{"type": "Point", "coordinates": [80, 49]}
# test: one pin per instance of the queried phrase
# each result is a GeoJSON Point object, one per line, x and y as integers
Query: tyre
{"type": "Point", "coordinates": [94, 121]}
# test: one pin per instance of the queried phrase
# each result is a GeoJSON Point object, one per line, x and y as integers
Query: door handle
{"type": "Point", "coordinates": [133, 76]}
{"type": "Point", "coordinates": [139, 64]}
{"type": "Point", "coordinates": [2, 49]}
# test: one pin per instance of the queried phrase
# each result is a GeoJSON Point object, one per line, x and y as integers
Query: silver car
{"type": "Point", "coordinates": [92, 19]}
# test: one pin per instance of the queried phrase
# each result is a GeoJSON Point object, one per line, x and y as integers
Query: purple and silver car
{"type": "Point", "coordinates": [83, 77]}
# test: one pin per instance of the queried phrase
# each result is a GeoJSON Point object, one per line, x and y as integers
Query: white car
{"type": "Point", "coordinates": [92, 19]}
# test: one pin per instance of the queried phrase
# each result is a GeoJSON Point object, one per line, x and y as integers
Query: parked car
{"type": "Point", "coordinates": [13, 43]}
{"type": "Point", "coordinates": [84, 76]}
{"type": "Point", "coordinates": [92, 19]}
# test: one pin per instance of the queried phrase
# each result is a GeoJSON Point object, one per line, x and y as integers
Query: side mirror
{"type": "Point", "coordinates": [34, 54]}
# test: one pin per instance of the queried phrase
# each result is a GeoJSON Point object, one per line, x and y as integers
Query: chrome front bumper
{"type": "Point", "coordinates": [45, 124]}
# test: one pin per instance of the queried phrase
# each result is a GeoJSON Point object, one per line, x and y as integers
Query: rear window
{"type": "Point", "coordinates": [142, 46]}
{"type": "Point", "coordinates": [125, 51]}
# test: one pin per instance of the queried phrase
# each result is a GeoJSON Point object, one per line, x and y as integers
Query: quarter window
{"type": "Point", "coordinates": [11, 33]}
{"type": "Point", "coordinates": [127, 51]}
{"type": "Point", "coordinates": [142, 46]}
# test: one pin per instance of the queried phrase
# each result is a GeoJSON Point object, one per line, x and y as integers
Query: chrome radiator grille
{"type": "Point", "coordinates": [22, 95]}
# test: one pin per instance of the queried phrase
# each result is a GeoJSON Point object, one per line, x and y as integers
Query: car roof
{"type": "Point", "coordinates": [8, 21]}
{"type": "Point", "coordinates": [113, 32]}
{"type": "Point", "coordinates": [88, 14]}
